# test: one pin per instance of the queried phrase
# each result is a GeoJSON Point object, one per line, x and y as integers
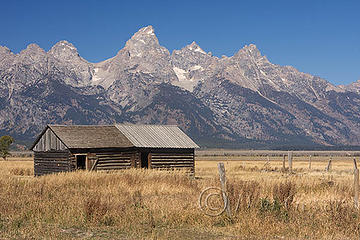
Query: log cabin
{"type": "Point", "coordinates": [61, 148]}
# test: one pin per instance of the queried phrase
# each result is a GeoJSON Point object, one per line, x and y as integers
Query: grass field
{"type": "Point", "coordinates": [147, 204]}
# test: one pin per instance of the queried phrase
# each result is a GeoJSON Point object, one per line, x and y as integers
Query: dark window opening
{"type": "Point", "coordinates": [144, 160]}
{"type": "Point", "coordinates": [80, 161]}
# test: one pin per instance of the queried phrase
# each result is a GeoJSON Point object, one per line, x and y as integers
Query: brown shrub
{"type": "Point", "coordinates": [22, 171]}
{"type": "Point", "coordinates": [243, 194]}
{"type": "Point", "coordinates": [284, 193]}
{"type": "Point", "coordinates": [94, 209]}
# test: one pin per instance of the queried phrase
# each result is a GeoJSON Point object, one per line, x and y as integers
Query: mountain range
{"type": "Point", "coordinates": [238, 101]}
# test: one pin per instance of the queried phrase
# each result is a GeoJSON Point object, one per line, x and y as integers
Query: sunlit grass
{"type": "Point", "coordinates": [151, 204]}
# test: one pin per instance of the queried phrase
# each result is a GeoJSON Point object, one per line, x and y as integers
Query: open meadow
{"type": "Point", "coordinates": [266, 201]}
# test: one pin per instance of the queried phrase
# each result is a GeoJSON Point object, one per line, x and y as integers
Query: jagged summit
{"type": "Point", "coordinates": [251, 47]}
{"type": "Point", "coordinates": [147, 30]}
{"type": "Point", "coordinates": [352, 87]}
{"type": "Point", "coordinates": [145, 36]}
{"type": "Point", "coordinates": [64, 50]}
{"type": "Point", "coordinates": [4, 50]}
{"type": "Point", "coordinates": [235, 97]}
{"type": "Point", "coordinates": [194, 47]}
{"type": "Point", "coordinates": [250, 50]}
{"type": "Point", "coordinates": [6, 57]}
{"type": "Point", "coordinates": [189, 64]}
{"type": "Point", "coordinates": [142, 54]}
{"type": "Point", "coordinates": [32, 55]}
{"type": "Point", "coordinates": [32, 47]}
{"type": "Point", "coordinates": [63, 44]}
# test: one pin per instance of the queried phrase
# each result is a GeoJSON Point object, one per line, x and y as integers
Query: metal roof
{"type": "Point", "coordinates": [89, 136]}
{"type": "Point", "coordinates": [156, 136]}
{"type": "Point", "coordinates": [120, 136]}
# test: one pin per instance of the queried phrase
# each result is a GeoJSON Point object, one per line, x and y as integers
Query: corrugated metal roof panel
{"type": "Point", "coordinates": [156, 136]}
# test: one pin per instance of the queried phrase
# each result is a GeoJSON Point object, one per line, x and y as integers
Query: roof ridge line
{"type": "Point", "coordinates": [81, 125]}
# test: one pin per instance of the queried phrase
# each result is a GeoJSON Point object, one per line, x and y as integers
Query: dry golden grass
{"type": "Point", "coordinates": [146, 204]}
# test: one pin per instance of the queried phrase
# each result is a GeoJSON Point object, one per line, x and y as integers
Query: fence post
{"type": "Point", "coordinates": [356, 185]}
{"type": "Point", "coordinates": [221, 169]}
{"type": "Point", "coordinates": [283, 163]}
{"type": "Point", "coordinates": [309, 161]}
{"type": "Point", "coordinates": [290, 161]}
{"type": "Point", "coordinates": [267, 163]}
{"type": "Point", "coordinates": [355, 165]}
{"type": "Point", "coordinates": [328, 168]}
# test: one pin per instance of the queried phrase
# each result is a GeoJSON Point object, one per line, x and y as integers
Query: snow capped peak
{"type": "Point", "coordinates": [64, 50]}
{"type": "Point", "coordinates": [63, 47]}
{"type": "Point", "coordinates": [64, 43]}
{"type": "Point", "coordinates": [147, 30]}
{"type": "Point", "coordinates": [195, 47]}
{"type": "Point", "coordinates": [145, 36]}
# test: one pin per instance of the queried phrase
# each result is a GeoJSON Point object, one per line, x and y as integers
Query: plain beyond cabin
{"type": "Point", "coordinates": [61, 148]}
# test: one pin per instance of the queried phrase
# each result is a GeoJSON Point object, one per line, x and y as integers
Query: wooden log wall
{"type": "Point", "coordinates": [173, 161]}
{"type": "Point", "coordinates": [64, 161]}
{"type": "Point", "coordinates": [72, 162]}
{"type": "Point", "coordinates": [136, 160]}
{"type": "Point", "coordinates": [91, 160]}
{"type": "Point", "coordinates": [51, 162]}
{"type": "Point", "coordinates": [117, 160]}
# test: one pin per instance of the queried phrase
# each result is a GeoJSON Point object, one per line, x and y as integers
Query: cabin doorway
{"type": "Point", "coordinates": [80, 161]}
{"type": "Point", "coordinates": [144, 160]}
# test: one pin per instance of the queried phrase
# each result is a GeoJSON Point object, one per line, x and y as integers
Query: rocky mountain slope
{"type": "Point", "coordinates": [242, 100]}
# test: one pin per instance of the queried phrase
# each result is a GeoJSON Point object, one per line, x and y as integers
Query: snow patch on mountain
{"type": "Point", "coordinates": [181, 74]}
{"type": "Point", "coordinates": [246, 94]}
{"type": "Point", "coordinates": [196, 67]}
{"type": "Point", "coordinates": [184, 81]}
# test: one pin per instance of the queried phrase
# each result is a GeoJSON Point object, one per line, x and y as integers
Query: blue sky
{"type": "Point", "coordinates": [318, 37]}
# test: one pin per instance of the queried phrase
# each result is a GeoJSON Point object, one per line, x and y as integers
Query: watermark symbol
{"type": "Point", "coordinates": [213, 201]}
